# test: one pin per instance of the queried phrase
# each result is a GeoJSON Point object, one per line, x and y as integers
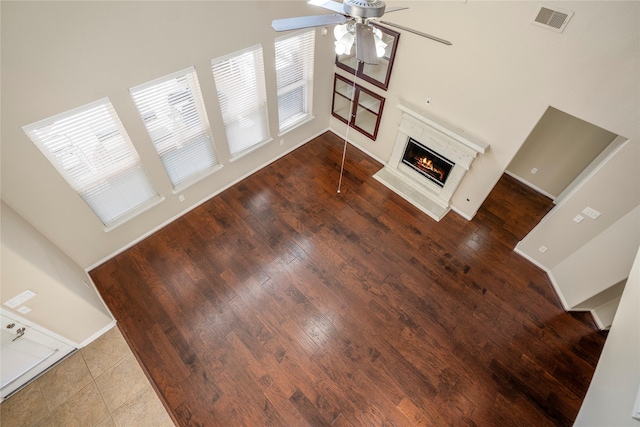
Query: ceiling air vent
{"type": "Point", "coordinates": [552, 18]}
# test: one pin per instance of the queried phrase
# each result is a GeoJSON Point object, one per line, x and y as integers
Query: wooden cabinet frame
{"type": "Point", "coordinates": [365, 113]}
{"type": "Point", "coordinates": [377, 75]}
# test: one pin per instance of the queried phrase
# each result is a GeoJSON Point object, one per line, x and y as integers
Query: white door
{"type": "Point", "coordinates": [25, 352]}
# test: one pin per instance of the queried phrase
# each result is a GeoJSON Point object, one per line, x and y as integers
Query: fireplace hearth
{"type": "Point", "coordinates": [429, 159]}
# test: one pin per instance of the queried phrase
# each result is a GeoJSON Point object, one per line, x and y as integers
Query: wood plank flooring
{"type": "Point", "coordinates": [282, 303]}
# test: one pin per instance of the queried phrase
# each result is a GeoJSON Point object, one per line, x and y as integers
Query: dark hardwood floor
{"type": "Point", "coordinates": [281, 302]}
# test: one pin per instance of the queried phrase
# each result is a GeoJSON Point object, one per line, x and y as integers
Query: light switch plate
{"type": "Point", "coordinates": [543, 249]}
{"type": "Point", "coordinates": [19, 299]}
{"type": "Point", "coordinates": [578, 219]}
{"type": "Point", "coordinates": [591, 213]}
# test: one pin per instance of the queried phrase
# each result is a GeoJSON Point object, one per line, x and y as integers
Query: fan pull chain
{"type": "Point", "coordinates": [346, 134]}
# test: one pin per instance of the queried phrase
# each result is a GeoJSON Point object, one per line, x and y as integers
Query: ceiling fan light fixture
{"type": "Point", "coordinates": [344, 39]}
{"type": "Point", "coordinates": [340, 30]}
{"type": "Point", "coordinates": [380, 45]}
{"type": "Point", "coordinates": [343, 46]}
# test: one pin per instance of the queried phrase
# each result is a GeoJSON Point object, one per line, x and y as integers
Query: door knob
{"type": "Point", "coordinates": [19, 332]}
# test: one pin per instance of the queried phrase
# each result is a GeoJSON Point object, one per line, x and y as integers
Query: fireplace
{"type": "Point", "coordinates": [429, 159]}
{"type": "Point", "coordinates": [426, 162]}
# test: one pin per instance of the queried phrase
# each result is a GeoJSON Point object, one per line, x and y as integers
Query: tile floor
{"type": "Point", "coordinates": [100, 385]}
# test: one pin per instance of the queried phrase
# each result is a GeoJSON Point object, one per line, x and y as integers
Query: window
{"type": "Point", "coordinates": [92, 151]}
{"type": "Point", "coordinates": [294, 72]}
{"type": "Point", "coordinates": [173, 112]}
{"type": "Point", "coordinates": [239, 79]}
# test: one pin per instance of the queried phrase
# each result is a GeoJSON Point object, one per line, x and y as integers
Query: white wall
{"type": "Point", "coordinates": [60, 55]}
{"type": "Point", "coordinates": [502, 73]}
{"type": "Point", "coordinates": [607, 243]}
{"type": "Point", "coordinates": [616, 381]}
{"type": "Point", "coordinates": [613, 251]}
{"type": "Point", "coordinates": [66, 302]}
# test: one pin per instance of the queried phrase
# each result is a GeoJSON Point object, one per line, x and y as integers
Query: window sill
{"type": "Point", "coordinates": [251, 149]}
{"type": "Point", "coordinates": [196, 178]}
{"type": "Point", "coordinates": [129, 216]}
{"type": "Point", "coordinates": [297, 124]}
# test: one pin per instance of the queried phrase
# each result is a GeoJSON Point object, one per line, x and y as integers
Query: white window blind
{"type": "Point", "coordinates": [239, 79]}
{"type": "Point", "coordinates": [92, 151]}
{"type": "Point", "coordinates": [174, 115]}
{"type": "Point", "coordinates": [294, 73]}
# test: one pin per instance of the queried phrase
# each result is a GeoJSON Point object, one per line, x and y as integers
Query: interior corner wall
{"type": "Point", "coordinates": [616, 381]}
{"type": "Point", "coordinates": [559, 148]}
{"type": "Point", "coordinates": [601, 263]}
{"type": "Point", "coordinates": [613, 190]}
{"type": "Point", "coordinates": [66, 302]}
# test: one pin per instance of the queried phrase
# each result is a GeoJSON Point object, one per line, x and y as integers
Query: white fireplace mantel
{"type": "Point", "coordinates": [443, 138]}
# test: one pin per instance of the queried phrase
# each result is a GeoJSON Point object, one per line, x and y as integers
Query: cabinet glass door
{"type": "Point", "coordinates": [366, 111]}
{"type": "Point", "coordinates": [380, 74]}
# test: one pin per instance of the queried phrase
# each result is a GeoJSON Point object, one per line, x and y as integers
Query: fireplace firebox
{"type": "Point", "coordinates": [428, 163]}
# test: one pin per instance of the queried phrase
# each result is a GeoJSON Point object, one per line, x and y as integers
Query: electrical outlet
{"type": "Point", "coordinates": [542, 249]}
{"type": "Point", "coordinates": [181, 197]}
{"type": "Point", "coordinates": [23, 309]}
{"type": "Point", "coordinates": [534, 170]}
{"type": "Point", "coordinates": [578, 219]}
{"type": "Point", "coordinates": [282, 141]}
{"type": "Point", "coordinates": [591, 213]}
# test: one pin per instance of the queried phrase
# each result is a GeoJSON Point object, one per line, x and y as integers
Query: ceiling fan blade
{"type": "Point", "coordinates": [420, 33]}
{"type": "Point", "coordinates": [287, 24]}
{"type": "Point", "coordinates": [365, 45]}
{"type": "Point", "coordinates": [328, 4]}
{"type": "Point", "coordinates": [394, 9]}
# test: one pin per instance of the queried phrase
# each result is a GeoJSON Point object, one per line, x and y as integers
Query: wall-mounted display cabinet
{"type": "Point", "coordinates": [365, 113]}
{"type": "Point", "coordinates": [377, 75]}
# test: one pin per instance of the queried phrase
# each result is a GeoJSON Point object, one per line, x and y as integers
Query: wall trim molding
{"type": "Point", "coordinates": [530, 185]}
{"type": "Point", "coordinates": [98, 334]}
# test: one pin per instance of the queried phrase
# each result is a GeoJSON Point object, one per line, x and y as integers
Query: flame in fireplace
{"type": "Point", "coordinates": [426, 164]}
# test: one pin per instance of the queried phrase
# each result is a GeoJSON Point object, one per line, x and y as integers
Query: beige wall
{"type": "Point", "coordinates": [613, 189]}
{"type": "Point", "coordinates": [60, 55]}
{"type": "Point", "coordinates": [66, 302]}
{"type": "Point", "coordinates": [601, 263]}
{"type": "Point", "coordinates": [559, 147]}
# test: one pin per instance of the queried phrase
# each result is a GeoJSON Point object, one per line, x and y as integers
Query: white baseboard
{"type": "Point", "coordinates": [98, 334]}
{"type": "Point", "coordinates": [359, 147]}
{"type": "Point", "coordinates": [462, 214]}
{"type": "Point", "coordinates": [530, 185]}
{"type": "Point", "coordinates": [556, 288]}
{"type": "Point", "coordinates": [195, 205]}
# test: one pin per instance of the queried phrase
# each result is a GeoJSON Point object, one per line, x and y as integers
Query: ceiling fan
{"type": "Point", "coordinates": [357, 15]}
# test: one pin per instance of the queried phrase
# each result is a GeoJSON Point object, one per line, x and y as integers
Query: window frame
{"type": "Point", "coordinates": [181, 136]}
{"type": "Point", "coordinates": [307, 70]}
{"type": "Point", "coordinates": [85, 136]}
{"type": "Point", "coordinates": [258, 106]}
